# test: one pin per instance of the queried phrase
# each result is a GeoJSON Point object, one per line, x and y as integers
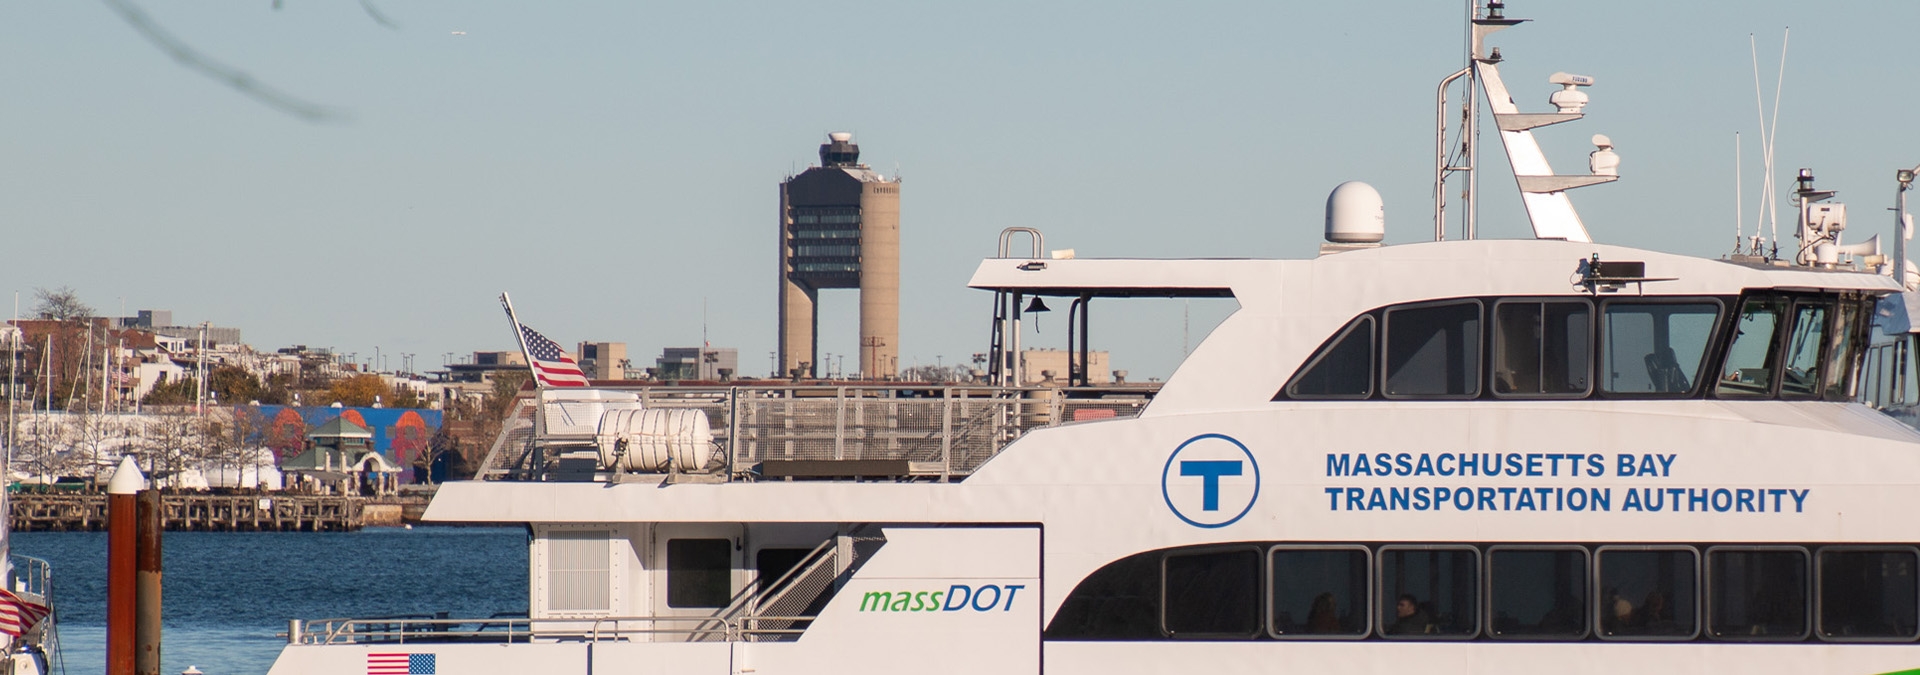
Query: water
{"type": "Point", "coordinates": [227, 593]}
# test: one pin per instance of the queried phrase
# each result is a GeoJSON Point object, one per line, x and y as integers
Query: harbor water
{"type": "Point", "coordinates": [228, 593]}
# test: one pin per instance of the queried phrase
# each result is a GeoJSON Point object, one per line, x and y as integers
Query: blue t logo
{"type": "Point", "coordinates": [1210, 472]}
{"type": "Point", "coordinates": [1229, 481]}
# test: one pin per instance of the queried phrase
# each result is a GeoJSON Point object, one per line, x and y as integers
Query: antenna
{"type": "Point", "coordinates": [1769, 138]}
{"type": "Point", "coordinates": [1773, 137]}
{"type": "Point", "coordinates": [1739, 226]}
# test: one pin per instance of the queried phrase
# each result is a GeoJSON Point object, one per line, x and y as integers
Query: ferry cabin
{"type": "Point", "coordinates": [1455, 457]}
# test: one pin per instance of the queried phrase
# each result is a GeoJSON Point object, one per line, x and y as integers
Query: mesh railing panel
{"type": "Point", "coordinates": [939, 431]}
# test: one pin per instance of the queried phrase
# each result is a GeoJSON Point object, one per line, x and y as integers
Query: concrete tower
{"type": "Point", "coordinates": [840, 228]}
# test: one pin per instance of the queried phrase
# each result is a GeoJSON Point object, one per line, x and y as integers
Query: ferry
{"type": "Point", "coordinates": [1457, 456]}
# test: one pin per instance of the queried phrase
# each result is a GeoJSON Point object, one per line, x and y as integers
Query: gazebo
{"type": "Point", "coordinates": [340, 459]}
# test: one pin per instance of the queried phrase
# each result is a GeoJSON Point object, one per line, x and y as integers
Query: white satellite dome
{"type": "Point", "coordinates": [1355, 214]}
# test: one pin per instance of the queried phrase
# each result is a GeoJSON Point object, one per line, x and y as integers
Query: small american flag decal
{"type": "Point", "coordinates": [398, 663]}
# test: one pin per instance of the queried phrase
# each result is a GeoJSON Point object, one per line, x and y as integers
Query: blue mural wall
{"type": "Point", "coordinates": [400, 434]}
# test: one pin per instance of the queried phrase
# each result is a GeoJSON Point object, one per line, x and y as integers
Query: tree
{"type": "Point", "coordinates": [358, 391]}
{"type": "Point", "coordinates": [406, 397]}
{"type": "Point", "coordinates": [176, 392]}
{"type": "Point", "coordinates": [171, 438]}
{"type": "Point", "coordinates": [498, 404]}
{"type": "Point", "coordinates": [230, 442]}
{"type": "Point", "coordinates": [277, 390]}
{"type": "Point", "coordinates": [60, 304]}
{"type": "Point", "coordinates": [234, 385]}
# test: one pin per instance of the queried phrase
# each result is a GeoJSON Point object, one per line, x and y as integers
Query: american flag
{"type": "Point", "coordinates": [17, 615]}
{"type": "Point", "coordinates": [551, 365]}
{"type": "Point", "coordinates": [399, 663]}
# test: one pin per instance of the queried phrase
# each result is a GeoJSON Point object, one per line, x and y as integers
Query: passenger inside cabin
{"type": "Point", "coordinates": [1412, 620]}
{"type": "Point", "coordinates": [1615, 612]}
{"type": "Point", "coordinates": [1324, 615]}
{"type": "Point", "coordinates": [1655, 614]}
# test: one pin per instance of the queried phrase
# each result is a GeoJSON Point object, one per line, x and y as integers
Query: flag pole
{"type": "Point", "coordinates": [520, 337]}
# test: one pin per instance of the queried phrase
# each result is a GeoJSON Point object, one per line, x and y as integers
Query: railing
{"type": "Point", "coordinates": [934, 432]}
{"type": "Point", "coordinates": [31, 578]}
{"type": "Point", "coordinates": [404, 630]}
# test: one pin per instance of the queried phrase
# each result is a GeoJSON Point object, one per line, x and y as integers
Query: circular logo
{"type": "Point", "coordinates": [1210, 481]}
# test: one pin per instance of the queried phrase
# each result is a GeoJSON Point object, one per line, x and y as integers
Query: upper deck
{"type": "Point", "coordinates": [1289, 307]}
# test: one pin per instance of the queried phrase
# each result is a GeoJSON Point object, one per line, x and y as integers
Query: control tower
{"type": "Point", "coordinates": [840, 228]}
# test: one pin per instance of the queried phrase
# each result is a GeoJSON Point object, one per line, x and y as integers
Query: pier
{"type": "Point", "coordinates": [220, 513]}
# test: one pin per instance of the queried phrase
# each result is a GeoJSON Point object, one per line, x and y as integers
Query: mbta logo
{"type": "Point", "coordinates": [1210, 481]}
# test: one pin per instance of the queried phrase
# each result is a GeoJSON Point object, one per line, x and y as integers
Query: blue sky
{"type": "Point", "coordinates": [614, 164]}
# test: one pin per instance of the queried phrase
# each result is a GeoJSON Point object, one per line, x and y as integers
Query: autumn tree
{"type": "Point", "coordinates": [358, 391]}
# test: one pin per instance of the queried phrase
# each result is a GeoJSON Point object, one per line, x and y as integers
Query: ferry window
{"type": "Point", "coordinates": [1537, 593]}
{"type": "Point", "coordinates": [1320, 592]}
{"type": "Point", "coordinates": [1433, 351]}
{"type": "Point", "coordinates": [1118, 602]}
{"type": "Point", "coordinates": [770, 564]}
{"type": "Point", "coordinates": [1649, 593]}
{"type": "Point", "coordinates": [699, 572]}
{"type": "Point", "coordinates": [1868, 594]}
{"type": "Point", "coordinates": [1429, 593]}
{"type": "Point", "coordinates": [1750, 361]}
{"type": "Point", "coordinates": [1909, 367]}
{"type": "Point", "coordinates": [1654, 348]}
{"type": "Point", "coordinates": [577, 571]}
{"type": "Point", "coordinates": [1212, 594]}
{"type": "Point", "coordinates": [1542, 348]}
{"type": "Point", "coordinates": [1850, 325]}
{"type": "Point", "coordinates": [1757, 593]}
{"type": "Point", "coordinates": [1342, 369]}
{"type": "Point", "coordinates": [1800, 369]}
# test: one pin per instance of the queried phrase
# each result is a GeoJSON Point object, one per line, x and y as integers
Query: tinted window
{"type": "Point", "coordinates": [1654, 348]}
{"type": "Point", "coordinates": [1215, 594]}
{"type": "Point", "coordinates": [1868, 594]}
{"type": "Point", "coordinates": [1800, 371]}
{"type": "Point", "coordinates": [1212, 593]}
{"type": "Point", "coordinates": [1757, 594]}
{"type": "Point", "coordinates": [1844, 346]}
{"type": "Point", "coordinates": [1542, 348]}
{"type": "Point", "coordinates": [1119, 602]}
{"type": "Point", "coordinates": [699, 572]}
{"type": "Point", "coordinates": [1538, 594]}
{"type": "Point", "coordinates": [1749, 366]}
{"type": "Point", "coordinates": [1343, 369]}
{"type": "Point", "coordinates": [1648, 593]}
{"type": "Point", "coordinates": [1429, 593]}
{"type": "Point", "coordinates": [1434, 350]}
{"type": "Point", "coordinates": [1319, 592]}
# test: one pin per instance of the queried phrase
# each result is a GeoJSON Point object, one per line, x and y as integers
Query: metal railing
{"type": "Point", "coordinates": [941, 432]}
{"type": "Point", "coordinates": [418, 630]}
{"type": "Point", "coordinates": [31, 578]}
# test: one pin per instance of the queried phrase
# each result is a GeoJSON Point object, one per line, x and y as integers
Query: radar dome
{"type": "Point", "coordinates": [1355, 214]}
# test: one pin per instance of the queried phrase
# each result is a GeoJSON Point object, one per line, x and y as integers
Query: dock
{"type": "Point", "coordinates": [220, 513]}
